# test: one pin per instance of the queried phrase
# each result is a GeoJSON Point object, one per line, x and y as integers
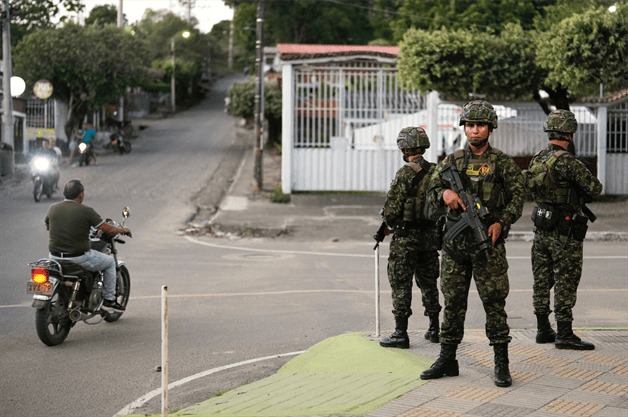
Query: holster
{"type": "Point", "coordinates": [574, 226]}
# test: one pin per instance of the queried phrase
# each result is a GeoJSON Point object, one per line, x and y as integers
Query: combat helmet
{"type": "Point", "coordinates": [412, 137]}
{"type": "Point", "coordinates": [560, 121]}
{"type": "Point", "coordinates": [479, 111]}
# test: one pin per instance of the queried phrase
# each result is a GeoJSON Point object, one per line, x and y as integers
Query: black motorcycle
{"type": "Point", "coordinates": [119, 143]}
{"type": "Point", "coordinates": [42, 167]}
{"type": "Point", "coordinates": [86, 153]}
{"type": "Point", "coordinates": [64, 293]}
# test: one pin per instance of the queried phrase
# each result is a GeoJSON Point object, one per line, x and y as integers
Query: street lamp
{"type": "Point", "coordinates": [185, 34]}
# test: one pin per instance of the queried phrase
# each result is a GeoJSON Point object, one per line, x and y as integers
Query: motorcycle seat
{"type": "Point", "coordinates": [70, 268]}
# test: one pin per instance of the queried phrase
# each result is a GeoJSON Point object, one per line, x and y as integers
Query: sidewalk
{"type": "Point", "coordinates": [352, 375]}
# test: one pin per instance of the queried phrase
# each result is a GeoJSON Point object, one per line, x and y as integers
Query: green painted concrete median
{"type": "Point", "coordinates": [344, 375]}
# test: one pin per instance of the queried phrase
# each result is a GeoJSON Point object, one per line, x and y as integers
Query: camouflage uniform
{"type": "Point", "coordinates": [415, 254]}
{"type": "Point", "coordinates": [504, 197]}
{"type": "Point", "coordinates": [413, 250]}
{"type": "Point", "coordinates": [556, 258]}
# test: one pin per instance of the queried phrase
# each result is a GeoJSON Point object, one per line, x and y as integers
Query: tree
{"type": "Point", "coordinates": [587, 49]}
{"type": "Point", "coordinates": [565, 61]}
{"type": "Point", "coordinates": [459, 62]}
{"type": "Point", "coordinates": [88, 66]}
{"type": "Point", "coordinates": [29, 15]}
{"type": "Point", "coordinates": [156, 30]}
{"type": "Point", "coordinates": [102, 15]}
{"type": "Point", "coordinates": [311, 22]}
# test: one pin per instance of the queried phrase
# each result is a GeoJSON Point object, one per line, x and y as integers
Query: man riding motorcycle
{"type": "Point", "coordinates": [69, 223]}
{"type": "Point", "coordinates": [47, 151]}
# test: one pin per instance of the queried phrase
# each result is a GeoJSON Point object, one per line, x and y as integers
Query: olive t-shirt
{"type": "Point", "coordinates": [69, 223]}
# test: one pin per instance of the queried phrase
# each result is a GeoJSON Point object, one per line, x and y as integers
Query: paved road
{"type": "Point", "coordinates": [231, 301]}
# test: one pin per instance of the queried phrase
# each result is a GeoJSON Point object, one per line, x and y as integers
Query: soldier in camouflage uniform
{"type": "Point", "coordinates": [413, 250]}
{"type": "Point", "coordinates": [497, 180]}
{"type": "Point", "coordinates": [561, 184]}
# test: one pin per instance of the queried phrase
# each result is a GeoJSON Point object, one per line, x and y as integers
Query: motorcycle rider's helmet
{"type": "Point", "coordinates": [479, 111]}
{"type": "Point", "coordinates": [560, 121]}
{"type": "Point", "coordinates": [73, 189]}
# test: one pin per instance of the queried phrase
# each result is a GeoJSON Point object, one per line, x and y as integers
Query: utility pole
{"type": "Point", "coordinates": [259, 95]}
{"type": "Point", "coordinates": [7, 99]}
{"type": "Point", "coordinates": [121, 99]}
{"type": "Point", "coordinates": [230, 57]}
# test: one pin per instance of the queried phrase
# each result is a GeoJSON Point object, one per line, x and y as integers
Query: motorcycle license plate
{"type": "Point", "coordinates": [39, 289]}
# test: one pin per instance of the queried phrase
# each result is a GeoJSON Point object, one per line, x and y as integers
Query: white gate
{"type": "Point", "coordinates": [340, 132]}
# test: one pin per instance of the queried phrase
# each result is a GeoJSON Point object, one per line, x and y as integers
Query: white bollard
{"type": "Point", "coordinates": [164, 351]}
{"type": "Point", "coordinates": [377, 291]}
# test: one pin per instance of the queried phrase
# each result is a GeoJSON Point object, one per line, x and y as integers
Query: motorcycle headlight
{"type": "Point", "coordinates": [41, 164]}
{"type": "Point", "coordinates": [82, 146]}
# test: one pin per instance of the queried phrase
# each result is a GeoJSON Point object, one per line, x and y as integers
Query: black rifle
{"type": "Point", "coordinates": [380, 235]}
{"type": "Point", "coordinates": [472, 217]}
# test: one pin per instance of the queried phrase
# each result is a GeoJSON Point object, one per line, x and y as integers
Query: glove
{"type": "Point", "coordinates": [453, 200]}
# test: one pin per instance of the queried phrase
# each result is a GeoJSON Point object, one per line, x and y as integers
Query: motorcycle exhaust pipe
{"type": "Point", "coordinates": [76, 315]}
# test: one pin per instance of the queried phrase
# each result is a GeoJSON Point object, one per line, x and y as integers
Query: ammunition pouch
{"type": "Point", "coordinates": [544, 218]}
{"type": "Point", "coordinates": [575, 226]}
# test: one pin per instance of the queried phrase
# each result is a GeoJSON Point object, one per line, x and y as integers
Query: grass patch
{"type": "Point", "coordinates": [277, 196]}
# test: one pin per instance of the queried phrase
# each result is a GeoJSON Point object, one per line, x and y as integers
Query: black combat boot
{"type": "Point", "coordinates": [432, 331]}
{"type": "Point", "coordinates": [565, 339]}
{"type": "Point", "coordinates": [545, 333]}
{"type": "Point", "coordinates": [502, 373]}
{"type": "Point", "coordinates": [445, 365]}
{"type": "Point", "coordinates": [399, 338]}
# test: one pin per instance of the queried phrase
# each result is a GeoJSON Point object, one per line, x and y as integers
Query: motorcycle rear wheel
{"type": "Point", "coordinates": [53, 322]}
{"type": "Point", "coordinates": [123, 291]}
{"type": "Point", "coordinates": [38, 190]}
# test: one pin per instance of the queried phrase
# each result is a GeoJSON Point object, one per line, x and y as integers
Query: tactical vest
{"type": "Point", "coordinates": [546, 188]}
{"type": "Point", "coordinates": [484, 180]}
{"type": "Point", "coordinates": [414, 207]}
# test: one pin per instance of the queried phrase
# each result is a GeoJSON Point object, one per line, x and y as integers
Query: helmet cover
{"type": "Point", "coordinates": [479, 111]}
{"type": "Point", "coordinates": [560, 121]}
{"type": "Point", "coordinates": [412, 137]}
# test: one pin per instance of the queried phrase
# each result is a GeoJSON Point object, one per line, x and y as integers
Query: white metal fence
{"type": "Point", "coordinates": [344, 121]}
{"type": "Point", "coordinates": [340, 125]}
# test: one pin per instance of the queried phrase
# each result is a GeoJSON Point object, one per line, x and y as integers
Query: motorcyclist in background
{"type": "Point", "coordinates": [87, 136]}
{"type": "Point", "coordinates": [48, 151]}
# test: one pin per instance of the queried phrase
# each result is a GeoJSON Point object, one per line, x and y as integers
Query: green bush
{"type": "Point", "coordinates": [242, 97]}
{"type": "Point", "coordinates": [277, 196]}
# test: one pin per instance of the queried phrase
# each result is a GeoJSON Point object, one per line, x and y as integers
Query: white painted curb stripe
{"type": "Point", "coordinates": [130, 408]}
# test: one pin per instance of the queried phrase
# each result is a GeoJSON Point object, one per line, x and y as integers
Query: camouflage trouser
{"type": "Point", "coordinates": [555, 266]}
{"type": "Point", "coordinates": [407, 259]}
{"type": "Point", "coordinates": [460, 262]}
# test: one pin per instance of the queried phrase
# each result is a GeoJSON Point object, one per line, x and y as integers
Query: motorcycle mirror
{"type": "Point", "coordinates": [126, 212]}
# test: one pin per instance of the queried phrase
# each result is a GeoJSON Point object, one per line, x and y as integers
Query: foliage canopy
{"type": "Point", "coordinates": [80, 63]}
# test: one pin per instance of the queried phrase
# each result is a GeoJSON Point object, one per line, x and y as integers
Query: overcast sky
{"type": "Point", "coordinates": [208, 12]}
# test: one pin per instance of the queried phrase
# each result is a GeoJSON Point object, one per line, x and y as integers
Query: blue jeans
{"type": "Point", "coordinates": [97, 261]}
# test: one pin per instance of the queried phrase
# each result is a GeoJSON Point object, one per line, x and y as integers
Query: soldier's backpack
{"type": "Point", "coordinates": [541, 180]}
{"type": "Point", "coordinates": [416, 209]}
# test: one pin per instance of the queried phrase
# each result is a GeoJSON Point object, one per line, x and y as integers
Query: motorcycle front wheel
{"type": "Point", "coordinates": [123, 291]}
{"type": "Point", "coordinates": [53, 322]}
{"type": "Point", "coordinates": [38, 190]}
{"type": "Point", "coordinates": [127, 147]}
